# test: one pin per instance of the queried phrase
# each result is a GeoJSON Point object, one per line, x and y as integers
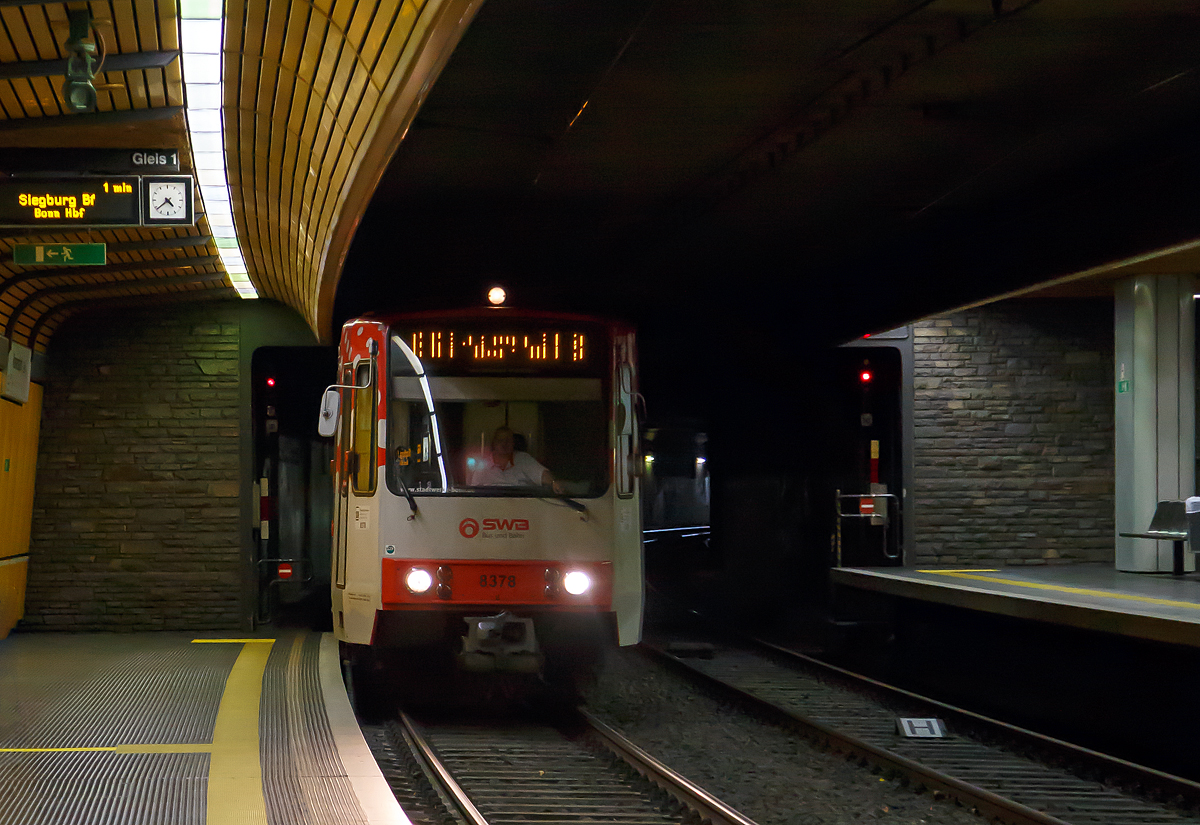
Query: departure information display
{"type": "Point", "coordinates": [79, 201]}
{"type": "Point", "coordinates": [465, 347]}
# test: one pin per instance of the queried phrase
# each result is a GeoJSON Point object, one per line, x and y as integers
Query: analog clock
{"type": "Point", "coordinates": [168, 200]}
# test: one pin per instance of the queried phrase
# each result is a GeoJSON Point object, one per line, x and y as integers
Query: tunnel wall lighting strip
{"type": "Point", "coordinates": [202, 24]}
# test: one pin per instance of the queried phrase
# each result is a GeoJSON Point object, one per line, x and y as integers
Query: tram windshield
{"type": "Point", "coordinates": [469, 429]}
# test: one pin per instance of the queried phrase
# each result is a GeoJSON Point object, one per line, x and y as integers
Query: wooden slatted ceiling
{"type": "Point", "coordinates": [35, 301]}
{"type": "Point", "coordinates": [317, 98]}
{"type": "Point", "coordinates": [318, 95]}
{"type": "Point", "coordinates": [37, 32]}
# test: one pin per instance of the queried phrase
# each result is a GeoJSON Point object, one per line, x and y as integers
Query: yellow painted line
{"type": "Point", "coordinates": [235, 790]}
{"type": "Point", "coordinates": [1078, 591]}
{"type": "Point", "coordinates": [51, 750]}
{"type": "Point", "coordinates": [964, 570]}
{"type": "Point", "coordinates": [164, 748]}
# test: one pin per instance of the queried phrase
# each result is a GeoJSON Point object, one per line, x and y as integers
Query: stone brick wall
{"type": "Point", "coordinates": [136, 510]}
{"type": "Point", "coordinates": [1013, 414]}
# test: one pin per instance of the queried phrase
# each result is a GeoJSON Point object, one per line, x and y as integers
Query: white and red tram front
{"type": "Point", "coordinates": [429, 546]}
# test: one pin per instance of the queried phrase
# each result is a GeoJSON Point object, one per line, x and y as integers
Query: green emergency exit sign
{"type": "Point", "coordinates": [59, 254]}
{"type": "Point", "coordinates": [1122, 386]}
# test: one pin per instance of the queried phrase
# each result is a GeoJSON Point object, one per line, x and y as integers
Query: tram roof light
{"type": "Point", "coordinates": [497, 296]}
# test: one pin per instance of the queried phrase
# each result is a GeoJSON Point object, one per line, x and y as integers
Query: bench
{"type": "Point", "coordinates": [1168, 524]}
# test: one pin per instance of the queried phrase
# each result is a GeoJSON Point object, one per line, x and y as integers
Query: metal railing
{"type": "Point", "coordinates": [883, 520]}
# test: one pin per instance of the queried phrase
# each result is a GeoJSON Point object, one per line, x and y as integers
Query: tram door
{"type": "Point", "coordinates": [342, 503]}
{"type": "Point", "coordinates": [868, 494]}
{"type": "Point", "coordinates": [357, 453]}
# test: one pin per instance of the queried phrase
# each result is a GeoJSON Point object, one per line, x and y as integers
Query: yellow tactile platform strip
{"type": "Point", "coordinates": [99, 769]}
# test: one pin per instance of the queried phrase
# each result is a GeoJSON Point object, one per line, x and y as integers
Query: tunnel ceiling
{"type": "Point", "coordinates": [825, 167]}
{"type": "Point", "coordinates": [140, 105]}
{"type": "Point", "coordinates": [838, 167]}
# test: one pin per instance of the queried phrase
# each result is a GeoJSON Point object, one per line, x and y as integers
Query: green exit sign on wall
{"type": "Point", "coordinates": [1122, 386]}
{"type": "Point", "coordinates": [59, 254]}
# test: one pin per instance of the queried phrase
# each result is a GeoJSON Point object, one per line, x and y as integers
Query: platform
{"type": "Point", "coordinates": [184, 729]}
{"type": "Point", "coordinates": [1156, 606]}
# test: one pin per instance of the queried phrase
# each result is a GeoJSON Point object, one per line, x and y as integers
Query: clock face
{"type": "Point", "coordinates": [168, 199]}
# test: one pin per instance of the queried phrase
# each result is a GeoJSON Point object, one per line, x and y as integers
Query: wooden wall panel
{"type": "Point", "coordinates": [19, 425]}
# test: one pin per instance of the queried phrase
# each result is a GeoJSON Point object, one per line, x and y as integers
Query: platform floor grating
{"type": "Point", "coordinates": [109, 729]}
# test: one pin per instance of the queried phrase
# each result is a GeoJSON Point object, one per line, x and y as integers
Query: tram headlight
{"type": "Point", "coordinates": [576, 582]}
{"type": "Point", "coordinates": [418, 580]}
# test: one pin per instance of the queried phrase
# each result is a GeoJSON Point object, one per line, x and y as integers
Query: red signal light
{"type": "Point", "coordinates": [270, 382]}
{"type": "Point", "coordinates": [865, 376]}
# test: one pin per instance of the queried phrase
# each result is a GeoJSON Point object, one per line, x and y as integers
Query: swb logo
{"type": "Point", "coordinates": [469, 528]}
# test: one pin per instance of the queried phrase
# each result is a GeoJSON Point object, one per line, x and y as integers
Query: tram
{"type": "Point", "coordinates": [486, 485]}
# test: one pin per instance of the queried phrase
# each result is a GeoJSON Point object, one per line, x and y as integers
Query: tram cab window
{"type": "Point", "coordinates": [559, 421]}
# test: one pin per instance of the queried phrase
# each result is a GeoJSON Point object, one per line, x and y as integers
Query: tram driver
{"type": "Point", "coordinates": [511, 467]}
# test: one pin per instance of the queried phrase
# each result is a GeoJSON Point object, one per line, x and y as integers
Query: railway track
{"type": "Point", "coordinates": [580, 772]}
{"type": "Point", "coordinates": [1004, 772]}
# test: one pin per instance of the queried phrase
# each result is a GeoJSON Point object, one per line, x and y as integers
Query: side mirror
{"type": "Point", "coordinates": [331, 402]}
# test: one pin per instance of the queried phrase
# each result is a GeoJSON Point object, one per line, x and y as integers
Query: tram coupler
{"type": "Point", "coordinates": [501, 643]}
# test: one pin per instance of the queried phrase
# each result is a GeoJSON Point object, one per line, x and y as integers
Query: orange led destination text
{"type": "Point", "coordinates": [57, 207]}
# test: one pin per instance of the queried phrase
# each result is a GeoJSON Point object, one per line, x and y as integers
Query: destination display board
{"type": "Point", "coordinates": [532, 348]}
{"type": "Point", "coordinates": [114, 200]}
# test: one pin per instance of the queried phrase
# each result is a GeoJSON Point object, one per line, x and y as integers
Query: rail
{"type": "Point", "coordinates": [505, 771]}
{"type": "Point", "coordinates": [828, 703]}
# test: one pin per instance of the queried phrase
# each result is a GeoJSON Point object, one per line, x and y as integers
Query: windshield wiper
{"type": "Point", "coordinates": [412, 502]}
{"type": "Point", "coordinates": [527, 492]}
{"type": "Point", "coordinates": [577, 506]}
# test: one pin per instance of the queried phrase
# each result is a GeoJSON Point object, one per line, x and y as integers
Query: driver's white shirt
{"type": "Point", "coordinates": [525, 471]}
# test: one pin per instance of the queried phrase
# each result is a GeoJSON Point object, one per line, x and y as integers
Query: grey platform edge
{"type": "Point", "coordinates": [376, 799]}
{"type": "Point", "coordinates": [1120, 617]}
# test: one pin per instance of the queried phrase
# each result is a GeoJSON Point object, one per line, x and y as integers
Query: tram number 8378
{"type": "Point", "coordinates": [497, 581]}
